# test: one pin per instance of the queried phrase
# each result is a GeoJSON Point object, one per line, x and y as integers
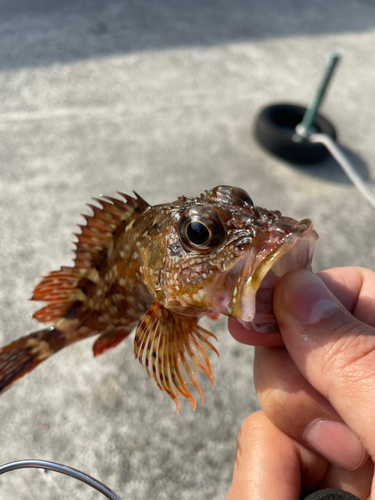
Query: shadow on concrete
{"type": "Point", "coordinates": [43, 32]}
{"type": "Point", "coordinates": [331, 171]}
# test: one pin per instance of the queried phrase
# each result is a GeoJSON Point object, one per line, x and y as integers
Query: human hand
{"type": "Point", "coordinates": [317, 393]}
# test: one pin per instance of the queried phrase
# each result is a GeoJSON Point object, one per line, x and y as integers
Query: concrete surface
{"type": "Point", "coordinates": [159, 97]}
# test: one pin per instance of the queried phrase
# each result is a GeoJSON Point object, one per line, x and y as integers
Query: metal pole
{"type": "Point", "coordinates": [302, 129]}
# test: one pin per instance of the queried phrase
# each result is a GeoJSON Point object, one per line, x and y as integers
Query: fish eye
{"type": "Point", "coordinates": [239, 195]}
{"type": "Point", "coordinates": [201, 229]}
{"type": "Point", "coordinates": [244, 197]}
{"type": "Point", "coordinates": [197, 232]}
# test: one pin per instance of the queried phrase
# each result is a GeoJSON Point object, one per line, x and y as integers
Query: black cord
{"type": "Point", "coordinates": [62, 469]}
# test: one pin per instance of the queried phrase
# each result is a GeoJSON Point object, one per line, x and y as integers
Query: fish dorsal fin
{"type": "Point", "coordinates": [172, 347]}
{"type": "Point", "coordinates": [102, 228]}
{"type": "Point", "coordinates": [62, 288]}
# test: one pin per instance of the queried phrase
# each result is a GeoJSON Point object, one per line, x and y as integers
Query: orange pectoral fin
{"type": "Point", "coordinates": [173, 347]}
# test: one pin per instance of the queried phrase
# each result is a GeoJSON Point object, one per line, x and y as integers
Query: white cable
{"type": "Point", "coordinates": [342, 160]}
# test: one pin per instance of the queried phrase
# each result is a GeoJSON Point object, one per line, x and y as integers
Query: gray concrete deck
{"type": "Point", "coordinates": [159, 97]}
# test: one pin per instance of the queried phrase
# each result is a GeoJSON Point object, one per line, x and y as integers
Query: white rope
{"type": "Point", "coordinates": [342, 160]}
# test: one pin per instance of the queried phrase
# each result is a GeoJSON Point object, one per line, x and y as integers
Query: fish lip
{"type": "Point", "coordinates": [293, 251]}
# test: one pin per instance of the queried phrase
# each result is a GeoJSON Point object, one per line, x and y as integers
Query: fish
{"type": "Point", "coordinates": [158, 270]}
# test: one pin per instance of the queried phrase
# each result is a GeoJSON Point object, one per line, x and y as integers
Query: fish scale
{"type": "Point", "coordinates": [159, 269]}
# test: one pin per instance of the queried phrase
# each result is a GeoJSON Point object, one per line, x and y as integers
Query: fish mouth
{"type": "Point", "coordinates": [252, 297]}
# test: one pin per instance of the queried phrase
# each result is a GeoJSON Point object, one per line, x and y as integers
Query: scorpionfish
{"type": "Point", "coordinates": [158, 269]}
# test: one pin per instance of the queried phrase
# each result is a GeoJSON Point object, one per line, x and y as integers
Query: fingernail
{"type": "Point", "coordinates": [336, 442]}
{"type": "Point", "coordinates": [308, 299]}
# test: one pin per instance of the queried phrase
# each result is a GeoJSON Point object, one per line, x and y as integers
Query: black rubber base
{"type": "Point", "coordinates": [331, 494]}
{"type": "Point", "coordinates": [275, 129]}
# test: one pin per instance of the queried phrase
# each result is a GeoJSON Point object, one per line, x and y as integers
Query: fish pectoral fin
{"type": "Point", "coordinates": [172, 347]}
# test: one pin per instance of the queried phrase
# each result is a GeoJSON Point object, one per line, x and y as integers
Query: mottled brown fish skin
{"type": "Point", "coordinates": [103, 294]}
{"type": "Point", "coordinates": [158, 269]}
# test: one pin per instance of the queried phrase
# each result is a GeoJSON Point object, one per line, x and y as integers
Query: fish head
{"type": "Point", "coordinates": [220, 253]}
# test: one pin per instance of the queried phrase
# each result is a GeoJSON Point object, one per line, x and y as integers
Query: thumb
{"type": "Point", "coordinates": [333, 350]}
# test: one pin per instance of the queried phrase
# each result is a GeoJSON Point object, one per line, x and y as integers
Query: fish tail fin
{"type": "Point", "coordinates": [23, 355]}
